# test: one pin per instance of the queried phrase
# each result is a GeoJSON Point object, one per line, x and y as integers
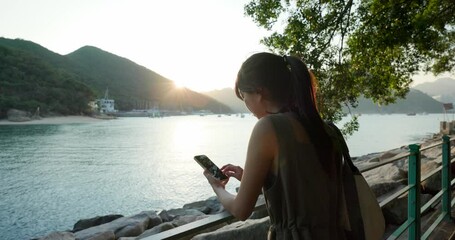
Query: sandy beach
{"type": "Point", "coordinates": [54, 120]}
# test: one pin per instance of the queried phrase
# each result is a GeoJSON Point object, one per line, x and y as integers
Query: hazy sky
{"type": "Point", "coordinates": [199, 44]}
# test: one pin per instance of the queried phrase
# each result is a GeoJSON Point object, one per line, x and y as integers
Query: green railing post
{"type": "Point", "coordinates": [445, 184]}
{"type": "Point", "coordinates": [414, 192]}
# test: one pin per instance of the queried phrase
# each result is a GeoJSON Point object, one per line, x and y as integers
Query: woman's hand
{"type": "Point", "coordinates": [215, 182]}
{"type": "Point", "coordinates": [232, 171]}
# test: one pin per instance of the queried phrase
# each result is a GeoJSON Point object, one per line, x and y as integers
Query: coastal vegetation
{"type": "Point", "coordinates": [360, 48]}
{"type": "Point", "coordinates": [32, 76]}
{"type": "Point", "coordinates": [28, 83]}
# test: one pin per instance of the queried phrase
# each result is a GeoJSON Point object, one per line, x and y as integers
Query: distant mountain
{"type": "Point", "coordinates": [228, 97]}
{"type": "Point", "coordinates": [414, 102]}
{"type": "Point", "coordinates": [132, 86]}
{"type": "Point", "coordinates": [442, 89]}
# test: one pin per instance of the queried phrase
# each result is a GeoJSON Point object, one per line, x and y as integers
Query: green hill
{"type": "Point", "coordinates": [132, 86]}
{"type": "Point", "coordinates": [28, 82]}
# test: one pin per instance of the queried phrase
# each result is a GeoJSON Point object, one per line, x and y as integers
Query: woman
{"type": "Point", "coordinates": [290, 158]}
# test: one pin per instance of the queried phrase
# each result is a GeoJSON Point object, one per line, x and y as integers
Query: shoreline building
{"type": "Point", "coordinates": [106, 105]}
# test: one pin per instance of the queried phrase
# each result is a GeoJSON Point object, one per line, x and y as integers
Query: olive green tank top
{"type": "Point", "coordinates": [302, 200]}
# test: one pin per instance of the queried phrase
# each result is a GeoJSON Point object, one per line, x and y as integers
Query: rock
{"type": "Point", "coordinates": [392, 153]}
{"type": "Point", "coordinates": [396, 212]}
{"type": "Point", "coordinates": [209, 206]}
{"type": "Point", "coordinates": [249, 229]}
{"type": "Point", "coordinates": [91, 222]}
{"type": "Point", "coordinates": [122, 227]}
{"type": "Point", "coordinates": [131, 230]}
{"type": "Point", "coordinates": [170, 215]}
{"type": "Point", "coordinates": [156, 229]}
{"type": "Point", "coordinates": [373, 157]}
{"type": "Point", "coordinates": [432, 185]}
{"type": "Point", "coordinates": [108, 235]}
{"type": "Point", "coordinates": [15, 115]}
{"type": "Point", "coordinates": [169, 225]}
{"type": "Point", "coordinates": [382, 188]}
{"type": "Point", "coordinates": [199, 205]}
{"type": "Point", "coordinates": [59, 236]}
{"type": "Point", "coordinates": [432, 153]}
{"type": "Point", "coordinates": [182, 220]}
{"type": "Point", "coordinates": [384, 173]}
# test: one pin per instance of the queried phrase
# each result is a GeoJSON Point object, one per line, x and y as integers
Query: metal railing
{"type": "Point", "coordinates": [412, 224]}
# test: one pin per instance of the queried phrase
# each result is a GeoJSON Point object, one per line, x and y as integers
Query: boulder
{"type": "Point", "coordinates": [432, 153]}
{"type": "Point", "coordinates": [59, 236]}
{"type": "Point", "coordinates": [15, 115]}
{"type": "Point", "coordinates": [156, 229]}
{"type": "Point", "coordinates": [396, 212]}
{"type": "Point", "coordinates": [178, 222]}
{"type": "Point", "coordinates": [182, 220]}
{"type": "Point", "coordinates": [107, 235]}
{"type": "Point", "coordinates": [209, 206]}
{"type": "Point", "coordinates": [382, 189]}
{"type": "Point", "coordinates": [372, 157]}
{"type": "Point", "coordinates": [170, 215]}
{"type": "Point", "coordinates": [249, 229]}
{"type": "Point", "coordinates": [392, 153]}
{"type": "Point", "coordinates": [91, 222]}
{"type": "Point", "coordinates": [384, 173]}
{"type": "Point", "coordinates": [432, 185]}
{"type": "Point", "coordinates": [122, 227]}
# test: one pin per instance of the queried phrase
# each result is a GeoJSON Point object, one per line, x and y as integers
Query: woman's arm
{"type": "Point", "coordinates": [262, 149]}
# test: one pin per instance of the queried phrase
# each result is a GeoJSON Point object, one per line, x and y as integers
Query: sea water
{"type": "Point", "coordinates": [53, 175]}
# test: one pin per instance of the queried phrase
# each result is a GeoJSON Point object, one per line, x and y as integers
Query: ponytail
{"type": "Point", "coordinates": [304, 104]}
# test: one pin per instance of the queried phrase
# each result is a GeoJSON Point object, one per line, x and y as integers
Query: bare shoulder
{"type": "Point", "coordinates": [263, 135]}
{"type": "Point", "coordinates": [264, 126]}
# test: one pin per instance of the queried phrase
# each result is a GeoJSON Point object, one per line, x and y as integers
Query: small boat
{"type": "Point", "coordinates": [411, 114]}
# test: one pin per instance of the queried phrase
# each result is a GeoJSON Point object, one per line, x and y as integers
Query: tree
{"type": "Point", "coordinates": [360, 47]}
{"type": "Point", "coordinates": [28, 82]}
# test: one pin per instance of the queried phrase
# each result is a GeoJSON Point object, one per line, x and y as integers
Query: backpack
{"type": "Point", "coordinates": [363, 218]}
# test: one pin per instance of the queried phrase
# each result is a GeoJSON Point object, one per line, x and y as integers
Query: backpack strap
{"type": "Point", "coordinates": [344, 148]}
{"type": "Point", "coordinates": [350, 188]}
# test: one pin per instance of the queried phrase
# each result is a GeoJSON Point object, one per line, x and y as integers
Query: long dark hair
{"type": "Point", "coordinates": [292, 85]}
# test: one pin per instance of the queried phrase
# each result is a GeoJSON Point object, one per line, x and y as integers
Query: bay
{"type": "Point", "coordinates": [53, 175]}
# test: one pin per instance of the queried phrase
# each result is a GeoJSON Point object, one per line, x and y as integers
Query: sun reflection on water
{"type": "Point", "coordinates": [188, 135]}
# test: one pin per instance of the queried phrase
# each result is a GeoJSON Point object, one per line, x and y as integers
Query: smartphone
{"type": "Point", "coordinates": [206, 163]}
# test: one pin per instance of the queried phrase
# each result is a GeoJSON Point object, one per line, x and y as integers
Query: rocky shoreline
{"type": "Point", "coordinates": [384, 181]}
{"type": "Point", "coordinates": [17, 117]}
